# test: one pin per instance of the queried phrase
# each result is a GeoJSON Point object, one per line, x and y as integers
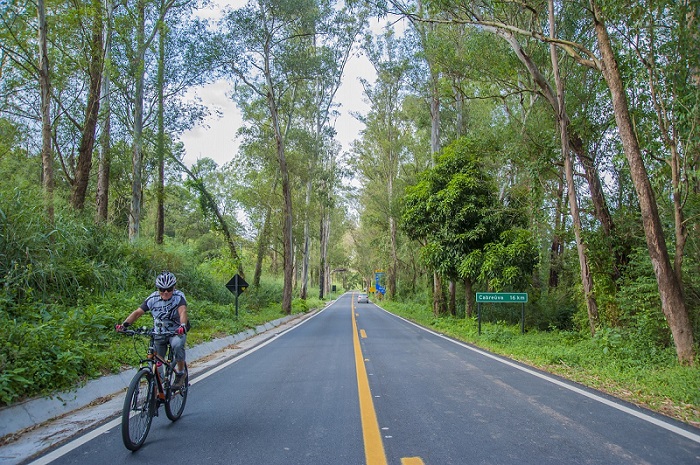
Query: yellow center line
{"type": "Point", "coordinates": [363, 334]}
{"type": "Point", "coordinates": [374, 448]}
{"type": "Point", "coordinates": [412, 461]}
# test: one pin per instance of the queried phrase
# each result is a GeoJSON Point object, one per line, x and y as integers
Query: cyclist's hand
{"type": "Point", "coordinates": [181, 330]}
{"type": "Point", "coordinates": [122, 327]}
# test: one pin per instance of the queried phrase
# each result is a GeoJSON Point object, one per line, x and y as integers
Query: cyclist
{"type": "Point", "coordinates": [169, 310]}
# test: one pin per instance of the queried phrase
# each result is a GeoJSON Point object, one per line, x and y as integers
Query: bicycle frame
{"type": "Point", "coordinates": [153, 360]}
{"type": "Point", "coordinates": [150, 388]}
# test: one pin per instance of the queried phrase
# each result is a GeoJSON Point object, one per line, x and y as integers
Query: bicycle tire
{"type": "Point", "coordinates": [175, 399]}
{"type": "Point", "coordinates": [138, 410]}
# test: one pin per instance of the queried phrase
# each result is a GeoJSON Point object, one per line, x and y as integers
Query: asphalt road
{"type": "Point", "coordinates": [375, 390]}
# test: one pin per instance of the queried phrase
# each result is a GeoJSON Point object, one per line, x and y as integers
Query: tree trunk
{"type": "Point", "coordinates": [393, 268]}
{"type": "Point", "coordinates": [452, 306]}
{"type": "Point", "coordinates": [214, 207]}
{"type": "Point", "coordinates": [437, 294]}
{"type": "Point", "coordinates": [469, 298]}
{"type": "Point", "coordinates": [103, 170]}
{"type": "Point", "coordinates": [137, 149]}
{"type": "Point", "coordinates": [438, 297]}
{"type": "Point", "coordinates": [557, 248]}
{"type": "Point", "coordinates": [262, 247]}
{"type": "Point", "coordinates": [287, 240]}
{"type": "Point", "coordinates": [45, 86]}
{"type": "Point", "coordinates": [92, 111]}
{"type": "Point", "coordinates": [670, 291]}
{"type": "Point", "coordinates": [600, 205]}
{"type": "Point", "coordinates": [305, 254]}
{"type": "Point", "coordinates": [324, 268]}
{"type": "Point", "coordinates": [563, 123]}
{"type": "Point", "coordinates": [160, 144]}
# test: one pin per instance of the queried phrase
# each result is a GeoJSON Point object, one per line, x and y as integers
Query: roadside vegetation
{"type": "Point", "coordinates": [615, 361]}
{"type": "Point", "coordinates": [66, 287]}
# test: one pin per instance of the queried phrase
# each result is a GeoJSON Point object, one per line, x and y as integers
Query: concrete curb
{"type": "Point", "coordinates": [17, 418]}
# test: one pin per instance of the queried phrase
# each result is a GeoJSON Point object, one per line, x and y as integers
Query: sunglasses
{"type": "Point", "coordinates": [166, 289]}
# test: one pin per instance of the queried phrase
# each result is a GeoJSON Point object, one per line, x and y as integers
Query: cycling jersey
{"type": "Point", "coordinates": [165, 311]}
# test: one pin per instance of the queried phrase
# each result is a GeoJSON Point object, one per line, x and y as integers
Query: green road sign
{"type": "Point", "coordinates": [502, 297]}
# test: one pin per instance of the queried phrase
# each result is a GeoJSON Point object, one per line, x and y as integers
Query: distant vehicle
{"type": "Point", "coordinates": [362, 299]}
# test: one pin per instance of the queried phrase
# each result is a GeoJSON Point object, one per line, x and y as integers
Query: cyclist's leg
{"type": "Point", "coordinates": [161, 344]}
{"type": "Point", "coordinates": [178, 345]}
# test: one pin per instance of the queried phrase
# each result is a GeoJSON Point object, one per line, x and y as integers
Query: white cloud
{"type": "Point", "coordinates": [216, 139]}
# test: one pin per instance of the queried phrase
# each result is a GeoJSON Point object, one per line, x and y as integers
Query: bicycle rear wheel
{"type": "Point", "coordinates": [138, 409]}
{"type": "Point", "coordinates": [176, 398]}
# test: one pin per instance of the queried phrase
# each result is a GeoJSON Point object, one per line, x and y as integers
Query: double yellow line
{"type": "Point", "coordinates": [374, 447]}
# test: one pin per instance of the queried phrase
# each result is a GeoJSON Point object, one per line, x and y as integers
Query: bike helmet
{"type": "Point", "coordinates": [165, 280]}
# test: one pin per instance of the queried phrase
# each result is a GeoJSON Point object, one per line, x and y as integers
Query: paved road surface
{"type": "Point", "coordinates": [375, 389]}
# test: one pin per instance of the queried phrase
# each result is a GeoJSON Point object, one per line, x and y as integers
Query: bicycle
{"type": "Point", "coordinates": [150, 388]}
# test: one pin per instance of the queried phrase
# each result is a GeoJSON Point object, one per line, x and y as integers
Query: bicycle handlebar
{"type": "Point", "coordinates": [145, 331]}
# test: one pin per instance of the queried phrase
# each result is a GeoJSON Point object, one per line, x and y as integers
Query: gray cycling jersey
{"type": "Point", "coordinates": [165, 311]}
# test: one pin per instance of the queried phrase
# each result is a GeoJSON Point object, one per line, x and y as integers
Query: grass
{"type": "Point", "coordinates": [610, 362]}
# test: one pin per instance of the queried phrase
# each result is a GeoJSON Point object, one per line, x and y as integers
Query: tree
{"type": "Point", "coordinates": [500, 20]}
{"type": "Point", "coordinates": [563, 125]}
{"type": "Point", "coordinates": [265, 49]}
{"type": "Point", "coordinates": [210, 206]}
{"type": "Point", "coordinates": [102, 195]}
{"type": "Point", "coordinates": [382, 147]}
{"type": "Point", "coordinates": [45, 86]}
{"type": "Point", "coordinates": [454, 210]}
{"type": "Point", "coordinates": [146, 16]}
{"type": "Point", "coordinates": [425, 34]}
{"type": "Point", "coordinates": [95, 67]}
{"type": "Point", "coordinates": [331, 44]}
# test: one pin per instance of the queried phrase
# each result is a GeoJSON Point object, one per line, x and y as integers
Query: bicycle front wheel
{"type": "Point", "coordinates": [138, 409]}
{"type": "Point", "coordinates": [176, 397]}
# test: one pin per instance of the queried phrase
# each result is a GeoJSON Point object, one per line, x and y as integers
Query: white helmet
{"type": "Point", "coordinates": [165, 280]}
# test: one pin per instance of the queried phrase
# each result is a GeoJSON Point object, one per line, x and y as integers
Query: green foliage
{"type": "Point", "coordinates": [258, 298]}
{"type": "Point", "coordinates": [60, 262]}
{"type": "Point", "coordinates": [449, 209]}
{"type": "Point", "coordinates": [639, 302]}
{"type": "Point", "coordinates": [508, 263]}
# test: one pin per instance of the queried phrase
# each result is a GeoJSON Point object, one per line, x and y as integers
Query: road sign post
{"type": "Point", "coordinates": [237, 285]}
{"type": "Point", "coordinates": [503, 298]}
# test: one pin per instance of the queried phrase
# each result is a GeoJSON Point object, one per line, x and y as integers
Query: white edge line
{"type": "Point", "coordinates": [79, 441]}
{"type": "Point", "coordinates": [642, 416]}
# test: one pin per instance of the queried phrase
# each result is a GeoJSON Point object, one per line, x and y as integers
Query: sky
{"type": "Point", "coordinates": [216, 137]}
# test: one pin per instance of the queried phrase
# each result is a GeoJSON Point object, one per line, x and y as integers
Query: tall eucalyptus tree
{"type": "Point", "coordinates": [332, 42]}
{"type": "Point", "coordinates": [182, 63]}
{"type": "Point", "coordinates": [26, 80]}
{"type": "Point", "coordinates": [138, 27]}
{"type": "Point", "coordinates": [382, 144]}
{"type": "Point", "coordinates": [264, 46]}
{"type": "Point", "coordinates": [563, 126]}
{"type": "Point", "coordinates": [45, 86]}
{"type": "Point", "coordinates": [425, 33]}
{"type": "Point", "coordinates": [105, 153]}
